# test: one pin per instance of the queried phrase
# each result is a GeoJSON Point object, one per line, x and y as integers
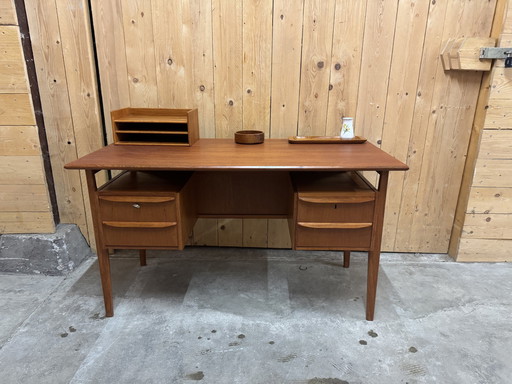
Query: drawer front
{"type": "Point", "coordinates": [139, 236]}
{"type": "Point", "coordinates": [330, 238]}
{"type": "Point", "coordinates": [334, 212]}
{"type": "Point", "coordinates": [137, 208]}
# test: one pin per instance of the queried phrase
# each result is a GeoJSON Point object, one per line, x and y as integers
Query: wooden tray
{"type": "Point", "coordinates": [325, 140]}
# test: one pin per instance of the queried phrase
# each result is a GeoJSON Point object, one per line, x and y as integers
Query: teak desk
{"type": "Point", "coordinates": [154, 204]}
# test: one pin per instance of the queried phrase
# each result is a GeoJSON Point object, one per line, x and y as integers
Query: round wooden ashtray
{"type": "Point", "coordinates": [249, 137]}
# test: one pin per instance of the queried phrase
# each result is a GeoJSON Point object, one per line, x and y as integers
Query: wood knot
{"type": "Point", "coordinates": [169, 61]}
{"type": "Point", "coordinates": [202, 88]}
{"type": "Point", "coordinates": [231, 102]}
{"type": "Point", "coordinates": [337, 66]}
{"type": "Point", "coordinates": [379, 142]}
{"type": "Point", "coordinates": [135, 80]}
{"type": "Point", "coordinates": [249, 90]}
{"type": "Point", "coordinates": [331, 87]}
{"type": "Point", "coordinates": [281, 17]}
{"type": "Point", "coordinates": [320, 64]}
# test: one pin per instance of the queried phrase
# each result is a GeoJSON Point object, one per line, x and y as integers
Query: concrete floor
{"type": "Point", "coordinates": [259, 316]}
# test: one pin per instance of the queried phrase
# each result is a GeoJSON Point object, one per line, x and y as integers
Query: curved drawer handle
{"type": "Point", "coordinates": [139, 224]}
{"type": "Point", "coordinates": [337, 200]}
{"type": "Point", "coordinates": [335, 225]}
{"type": "Point", "coordinates": [140, 199]}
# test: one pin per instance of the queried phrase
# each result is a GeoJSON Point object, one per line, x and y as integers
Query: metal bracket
{"type": "Point", "coordinates": [495, 53]}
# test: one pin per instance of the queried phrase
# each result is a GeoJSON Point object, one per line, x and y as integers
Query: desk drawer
{"type": "Point", "coordinates": [138, 208]}
{"type": "Point", "coordinates": [332, 236]}
{"type": "Point", "coordinates": [140, 234]}
{"type": "Point", "coordinates": [335, 209]}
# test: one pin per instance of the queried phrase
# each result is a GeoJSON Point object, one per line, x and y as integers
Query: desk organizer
{"type": "Point", "coordinates": [152, 126]}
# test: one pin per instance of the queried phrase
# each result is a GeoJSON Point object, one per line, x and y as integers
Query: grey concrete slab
{"type": "Point", "coordinates": [266, 316]}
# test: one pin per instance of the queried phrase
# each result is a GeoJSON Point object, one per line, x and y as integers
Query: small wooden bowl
{"type": "Point", "coordinates": [249, 137]}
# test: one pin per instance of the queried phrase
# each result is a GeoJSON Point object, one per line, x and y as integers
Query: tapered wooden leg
{"type": "Point", "coordinates": [142, 256]}
{"type": "Point", "coordinates": [371, 289]}
{"type": "Point", "coordinates": [106, 282]}
{"type": "Point", "coordinates": [346, 259]}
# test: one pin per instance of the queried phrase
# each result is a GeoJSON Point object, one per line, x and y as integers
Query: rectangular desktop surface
{"type": "Point", "coordinates": [225, 154]}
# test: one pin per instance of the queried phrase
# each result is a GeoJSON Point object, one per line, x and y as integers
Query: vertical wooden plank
{"type": "Point", "coordinates": [403, 81]}
{"type": "Point", "coordinates": [51, 77]}
{"type": "Point", "coordinates": [256, 68]}
{"type": "Point", "coordinates": [202, 63]}
{"type": "Point", "coordinates": [286, 54]}
{"type": "Point", "coordinates": [140, 53]}
{"type": "Point", "coordinates": [8, 13]}
{"type": "Point", "coordinates": [184, 59]}
{"type": "Point", "coordinates": [254, 233]}
{"type": "Point", "coordinates": [316, 64]}
{"type": "Point", "coordinates": [205, 232]}
{"type": "Point", "coordinates": [375, 66]}
{"type": "Point", "coordinates": [349, 20]}
{"type": "Point", "coordinates": [278, 234]}
{"type": "Point", "coordinates": [227, 56]}
{"type": "Point", "coordinates": [79, 64]}
{"type": "Point", "coordinates": [428, 219]}
{"type": "Point", "coordinates": [230, 232]}
{"type": "Point", "coordinates": [113, 69]}
{"type": "Point", "coordinates": [13, 78]}
{"type": "Point", "coordinates": [19, 140]}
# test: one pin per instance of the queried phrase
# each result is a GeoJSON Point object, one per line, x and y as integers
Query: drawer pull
{"type": "Point", "coordinates": [140, 199]}
{"type": "Point", "coordinates": [138, 224]}
{"type": "Point", "coordinates": [335, 225]}
{"type": "Point", "coordinates": [136, 205]}
{"type": "Point", "coordinates": [337, 199]}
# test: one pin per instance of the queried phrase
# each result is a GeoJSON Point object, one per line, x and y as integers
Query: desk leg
{"type": "Point", "coordinates": [101, 250]}
{"type": "Point", "coordinates": [374, 253]}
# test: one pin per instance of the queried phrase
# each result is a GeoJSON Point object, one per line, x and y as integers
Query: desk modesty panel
{"type": "Point", "coordinates": [225, 154]}
{"type": "Point", "coordinates": [164, 189]}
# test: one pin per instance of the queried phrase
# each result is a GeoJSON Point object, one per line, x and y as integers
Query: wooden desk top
{"type": "Point", "coordinates": [225, 154]}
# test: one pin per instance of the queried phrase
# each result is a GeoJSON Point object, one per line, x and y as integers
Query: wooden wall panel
{"type": "Point", "coordinates": [16, 109]}
{"type": "Point", "coordinates": [286, 54]}
{"type": "Point", "coordinates": [12, 66]}
{"type": "Point", "coordinates": [51, 77]}
{"type": "Point", "coordinates": [347, 45]}
{"type": "Point", "coordinates": [7, 13]}
{"type": "Point", "coordinates": [297, 67]}
{"type": "Point", "coordinates": [483, 232]}
{"type": "Point", "coordinates": [24, 201]}
{"type": "Point", "coordinates": [19, 140]}
{"type": "Point", "coordinates": [315, 68]}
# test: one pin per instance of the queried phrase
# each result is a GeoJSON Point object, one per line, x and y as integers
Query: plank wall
{"type": "Point", "coordinates": [24, 201]}
{"type": "Point", "coordinates": [283, 67]}
{"type": "Point", "coordinates": [62, 44]}
{"type": "Point", "coordinates": [486, 222]}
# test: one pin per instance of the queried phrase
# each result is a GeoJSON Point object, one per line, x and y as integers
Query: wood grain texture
{"type": "Point", "coordinates": [12, 65]}
{"type": "Point", "coordinates": [490, 200]}
{"type": "Point", "coordinates": [453, 106]}
{"type": "Point", "coordinates": [286, 68]}
{"type": "Point", "coordinates": [493, 173]}
{"type": "Point", "coordinates": [401, 98]}
{"type": "Point", "coordinates": [16, 109]}
{"type": "Point", "coordinates": [140, 53]}
{"type": "Point", "coordinates": [256, 66]}
{"type": "Point", "coordinates": [8, 13]}
{"type": "Point", "coordinates": [254, 233]}
{"type": "Point", "coordinates": [24, 170]}
{"type": "Point", "coordinates": [501, 84]}
{"type": "Point", "coordinates": [205, 232]}
{"type": "Point", "coordinates": [53, 88]}
{"type": "Point", "coordinates": [26, 222]}
{"type": "Point", "coordinates": [347, 44]}
{"type": "Point", "coordinates": [24, 198]}
{"type": "Point", "coordinates": [496, 144]}
{"type": "Point", "coordinates": [315, 66]}
{"type": "Point", "coordinates": [484, 250]}
{"type": "Point", "coordinates": [488, 226]}
{"type": "Point", "coordinates": [373, 84]}
{"type": "Point", "coordinates": [499, 114]}
{"type": "Point", "coordinates": [113, 68]}
{"type": "Point", "coordinates": [19, 140]}
{"type": "Point", "coordinates": [278, 234]}
{"type": "Point", "coordinates": [228, 71]}
{"type": "Point", "coordinates": [230, 232]}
